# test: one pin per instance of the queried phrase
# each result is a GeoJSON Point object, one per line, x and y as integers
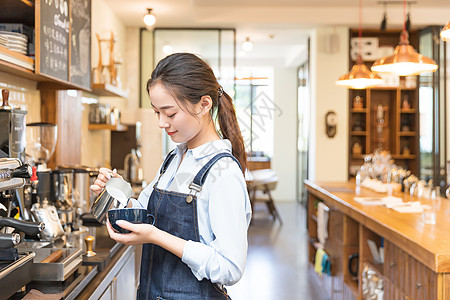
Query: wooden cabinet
{"type": "Point", "coordinates": [385, 117]}
{"type": "Point", "coordinates": [416, 258]}
{"type": "Point", "coordinates": [120, 282]}
{"type": "Point", "coordinates": [56, 43]}
{"type": "Point", "coordinates": [386, 123]}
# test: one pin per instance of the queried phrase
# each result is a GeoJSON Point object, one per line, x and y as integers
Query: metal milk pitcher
{"type": "Point", "coordinates": [116, 194]}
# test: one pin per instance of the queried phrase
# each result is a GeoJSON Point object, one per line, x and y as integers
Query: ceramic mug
{"type": "Point", "coordinates": [353, 262]}
{"type": "Point", "coordinates": [132, 215]}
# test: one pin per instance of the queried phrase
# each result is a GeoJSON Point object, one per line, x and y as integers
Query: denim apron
{"type": "Point", "coordinates": [163, 274]}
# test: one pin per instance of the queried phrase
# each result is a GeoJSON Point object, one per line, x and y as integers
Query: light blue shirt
{"type": "Point", "coordinates": [223, 207]}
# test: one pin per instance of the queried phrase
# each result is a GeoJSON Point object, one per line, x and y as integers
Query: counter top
{"type": "Point", "coordinates": [89, 274]}
{"type": "Point", "coordinates": [430, 244]}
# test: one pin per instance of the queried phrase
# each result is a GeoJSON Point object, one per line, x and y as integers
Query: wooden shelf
{"type": "Point", "coordinates": [359, 110]}
{"type": "Point", "coordinates": [314, 218]}
{"type": "Point", "coordinates": [118, 127]}
{"type": "Point", "coordinates": [401, 156]}
{"type": "Point", "coordinates": [19, 60]}
{"type": "Point", "coordinates": [391, 96]}
{"type": "Point", "coordinates": [108, 90]}
{"type": "Point", "coordinates": [359, 133]}
{"type": "Point", "coordinates": [407, 133]}
{"type": "Point", "coordinates": [407, 111]}
{"type": "Point", "coordinates": [392, 88]}
{"type": "Point", "coordinates": [20, 65]}
{"type": "Point", "coordinates": [384, 88]}
{"type": "Point", "coordinates": [377, 267]}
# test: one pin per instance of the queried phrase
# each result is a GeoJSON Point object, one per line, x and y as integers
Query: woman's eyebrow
{"type": "Point", "coordinates": [164, 107]}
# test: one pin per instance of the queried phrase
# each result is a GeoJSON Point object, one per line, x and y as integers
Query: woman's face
{"type": "Point", "coordinates": [179, 124]}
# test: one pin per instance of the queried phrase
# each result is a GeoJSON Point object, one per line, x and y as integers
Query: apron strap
{"type": "Point", "coordinates": [167, 161]}
{"type": "Point", "coordinates": [199, 180]}
{"type": "Point", "coordinates": [165, 165]}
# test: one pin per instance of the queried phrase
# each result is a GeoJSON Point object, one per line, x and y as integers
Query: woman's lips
{"type": "Point", "coordinates": [171, 132]}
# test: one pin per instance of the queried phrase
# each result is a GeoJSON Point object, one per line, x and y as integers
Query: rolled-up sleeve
{"type": "Point", "coordinates": [223, 260]}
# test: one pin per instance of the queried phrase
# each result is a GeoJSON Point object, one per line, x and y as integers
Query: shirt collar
{"type": "Point", "coordinates": [207, 149]}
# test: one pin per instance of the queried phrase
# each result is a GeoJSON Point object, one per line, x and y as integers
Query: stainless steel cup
{"type": "Point", "coordinates": [115, 195]}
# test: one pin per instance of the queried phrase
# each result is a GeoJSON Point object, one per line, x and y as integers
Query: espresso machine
{"type": "Point", "coordinates": [16, 266]}
{"type": "Point", "coordinates": [13, 141]}
{"type": "Point", "coordinates": [12, 130]}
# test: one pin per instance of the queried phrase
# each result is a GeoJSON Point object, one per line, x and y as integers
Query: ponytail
{"type": "Point", "coordinates": [229, 128]}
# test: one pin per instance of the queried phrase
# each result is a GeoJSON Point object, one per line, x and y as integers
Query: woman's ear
{"type": "Point", "coordinates": [206, 104]}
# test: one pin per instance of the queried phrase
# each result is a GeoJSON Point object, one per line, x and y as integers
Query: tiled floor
{"type": "Point", "coordinates": [277, 257]}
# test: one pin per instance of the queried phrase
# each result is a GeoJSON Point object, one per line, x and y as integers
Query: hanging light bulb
{"type": "Point", "coordinates": [247, 45]}
{"type": "Point", "coordinates": [359, 77]}
{"type": "Point", "coordinates": [445, 33]}
{"type": "Point", "coordinates": [405, 61]}
{"type": "Point", "coordinates": [149, 18]}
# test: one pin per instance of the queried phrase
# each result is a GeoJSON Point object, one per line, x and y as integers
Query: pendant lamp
{"type": "Point", "coordinates": [445, 33]}
{"type": "Point", "coordinates": [359, 77]}
{"type": "Point", "coordinates": [405, 61]}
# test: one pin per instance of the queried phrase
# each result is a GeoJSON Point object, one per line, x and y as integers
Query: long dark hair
{"type": "Point", "coordinates": [189, 78]}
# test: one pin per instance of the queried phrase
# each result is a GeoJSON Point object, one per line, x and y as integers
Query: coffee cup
{"type": "Point", "coordinates": [353, 264]}
{"type": "Point", "coordinates": [132, 215]}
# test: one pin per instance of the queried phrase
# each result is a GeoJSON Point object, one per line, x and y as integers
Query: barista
{"type": "Point", "coordinates": [199, 198]}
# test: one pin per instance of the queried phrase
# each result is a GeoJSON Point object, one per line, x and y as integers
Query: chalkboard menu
{"type": "Point", "coordinates": [54, 38]}
{"type": "Point", "coordinates": [80, 43]}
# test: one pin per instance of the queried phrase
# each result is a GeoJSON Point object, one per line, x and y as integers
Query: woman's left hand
{"type": "Point", "coordinates": [140, 233]}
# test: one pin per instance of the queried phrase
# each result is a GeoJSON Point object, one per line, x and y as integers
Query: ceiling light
{"type": "Point", "coordinates": [360, 77]}
{"type": "Point", "coordinates": [167, 49]}
{"type": "Point", "coordinates": [247, 45]}
{"type": "Point", "coordinates": [405, 61]}
{"type": "Point", "coordinates": [445, 33]}
{"type": "Point", "coordinates": [149, 19]}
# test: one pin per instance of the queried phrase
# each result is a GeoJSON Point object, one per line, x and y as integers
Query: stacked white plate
{"type": "Point", "coordinates": [3, 41]}
{"type": "Point", "coordinates": [14, 41]}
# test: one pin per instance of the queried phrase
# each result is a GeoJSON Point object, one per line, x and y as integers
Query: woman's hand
{"type": "Point", "coordinates": [104, 174]}
{"type": "Point", "coordinates": [146, 233]}
{"type": "Point", "coordinates": [140, 233]}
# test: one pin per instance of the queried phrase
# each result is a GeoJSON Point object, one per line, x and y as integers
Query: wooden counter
{"type": "Point", "coordinates": [417, 256]}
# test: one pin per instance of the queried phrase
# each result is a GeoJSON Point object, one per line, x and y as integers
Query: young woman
{"type": "Point", "coordinates": [199, 197]}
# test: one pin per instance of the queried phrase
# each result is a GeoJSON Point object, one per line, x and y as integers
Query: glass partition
{"type": "Point", "coordinates": [216, 46]}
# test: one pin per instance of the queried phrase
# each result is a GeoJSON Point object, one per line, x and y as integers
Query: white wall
{"type": "Point", "coordinates": [328, 156]}
{"type": "Point", "coordinates": [285, 133]}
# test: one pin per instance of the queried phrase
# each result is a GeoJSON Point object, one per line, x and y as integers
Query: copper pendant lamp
{"type": "Point", "coordinates": [359, 77]}
{"type": "Point", "coordinates": [405, 60]}
{"type": "Point", "coordinates": [445, 33]}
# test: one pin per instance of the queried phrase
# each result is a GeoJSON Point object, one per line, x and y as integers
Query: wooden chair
{"type": "Point", "coordinates": [259, 184]}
